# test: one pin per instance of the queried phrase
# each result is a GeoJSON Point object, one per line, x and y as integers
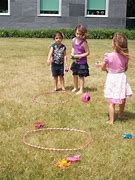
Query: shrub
{"type": "Point", "coordinates": [68, 33]}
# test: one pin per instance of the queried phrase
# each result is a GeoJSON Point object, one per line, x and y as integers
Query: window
{"type": "Point", "coordinates": [130, 8]}
{"type": "Point", "coordinates": [4, 7]}
{"type": "Point", "coordinates": [96, 8]}
{"type": "Point", "coordinates": [50, 8]}
{"type": "Point", "coordinates": [130, 22]}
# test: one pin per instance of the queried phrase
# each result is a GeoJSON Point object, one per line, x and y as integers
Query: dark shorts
{"type": "Point", "coordinates": [82, 70]}
{"type": "Point", "coordinates": [57, 69]}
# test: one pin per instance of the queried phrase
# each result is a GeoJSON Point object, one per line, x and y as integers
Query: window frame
{"type": "Point", "coordinates": [8, 13]}
{"type": "Point", "coordinates": [106, 10]}
{"type": "Point", "coordinates": [59, 10]}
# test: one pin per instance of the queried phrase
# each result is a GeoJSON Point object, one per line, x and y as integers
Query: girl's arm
{"type": "Point", "coordinates": [126, 68]}
{"type": "Point", "coordinates": [50, 56]}
{"type": "Point", "coordinates": [65, 58]}
{"type": "Point", "coordinates": [103, 67]}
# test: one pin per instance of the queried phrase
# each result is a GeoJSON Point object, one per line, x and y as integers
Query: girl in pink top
{"type": "Point", "coordinates": [116, 86]}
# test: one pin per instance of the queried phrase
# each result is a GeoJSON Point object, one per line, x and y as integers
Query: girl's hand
{"type": "Point", "coordinates": [98, 64]}
{"type": "Point", "coordinates": [72, 54]}
{"type": "Point", "coordinates": [77, 56]}
{"type": "Point", "coordinates": [66, 68]}
{"type": "Point", "coordinates": [48, 62]}
{"type": "Point", "coordinates": [74, 57]}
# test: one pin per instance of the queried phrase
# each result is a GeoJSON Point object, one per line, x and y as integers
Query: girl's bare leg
{"type": "Point", "coordinates": [55, 81]}
{"type": "Point", "coordinates": [62, 83]}
{"type": "Point", "coordinates": [75, 81]}
{"type": "Point", "coordinates": [81, 85]}
{"type": "Point", "coordinates": [111, 113]}
{"type": "Point", "coordinates": [121, 109]}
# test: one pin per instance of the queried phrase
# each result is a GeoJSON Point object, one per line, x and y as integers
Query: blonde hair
{"type": "Point", "coordinates": [82, 29]}
{"type": "Point", "coordinates": [121, 44]}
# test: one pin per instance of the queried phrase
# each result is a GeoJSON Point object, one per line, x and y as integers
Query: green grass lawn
{"type": "Point", "coordinates": [24, 74]}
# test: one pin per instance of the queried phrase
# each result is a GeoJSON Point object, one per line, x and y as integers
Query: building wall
{"type": "Point", "coordinates": [23, 14]}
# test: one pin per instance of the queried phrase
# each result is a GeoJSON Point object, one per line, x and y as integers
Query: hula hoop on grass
{"type": "Point", "coordinates": [89, 139]}
{"type": "Point", "coordinates": [52, 103]}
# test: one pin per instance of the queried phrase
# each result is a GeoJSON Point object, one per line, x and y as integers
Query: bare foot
{"type": "Point", "coordinates": [79, 92]}
{"type": "Point", "coordinates": [54, 90]}
{"type": "Point", "coordinates": [74, 90]}
{"type": "Point", "coordinates": [63, 89]}
{"type": "Point", "coordinates": [109, 122]}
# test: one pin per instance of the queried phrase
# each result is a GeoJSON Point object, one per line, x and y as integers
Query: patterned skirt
{"type": "Point", "coordinates": [116, 88]}
{"type": "Point", "coordinates": [82, 70]}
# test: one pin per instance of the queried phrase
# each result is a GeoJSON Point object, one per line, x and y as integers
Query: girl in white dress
{"type": "Point", "coordinates": [116, 87]}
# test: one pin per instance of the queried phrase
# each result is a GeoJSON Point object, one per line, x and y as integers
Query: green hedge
{"type": "Point", "coordinates": [68, 33]}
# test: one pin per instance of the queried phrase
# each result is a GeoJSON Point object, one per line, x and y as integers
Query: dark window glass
{"type": "Point", "coordinates": [131, 8]}
{"type": "Point", "coordinates": [48, 12]}
{"type": "Point", "coordinates": [3, 6]}
{"type": "Point", "coordinates": [130, 22]}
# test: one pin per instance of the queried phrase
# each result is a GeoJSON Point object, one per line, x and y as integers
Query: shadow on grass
{"type": "Point", "coordinates": [87, 89]}
{"type": "Point", "coordinates": [92, 89]}
{"type": "Point", "coordinates": [130, 115]}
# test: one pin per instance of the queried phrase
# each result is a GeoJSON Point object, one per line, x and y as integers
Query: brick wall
{"type": "Point", "coordinates": [23, 14]}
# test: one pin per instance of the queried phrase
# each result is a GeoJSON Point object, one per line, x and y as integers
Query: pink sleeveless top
{"type": "Point", "coordinates": [79, 49]}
